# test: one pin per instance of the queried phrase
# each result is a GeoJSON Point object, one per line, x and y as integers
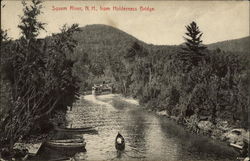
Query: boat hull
{"type": "Point", "coordinates": [120, 147]}
{"type": "Point", "coordinates": [72, 145]}
{"type": "Point", "coordinates": [85, 130]}
{"type": "Point", "coordinates": [80, 140]}
{"type": "Point", "coordinates": [52, 151]}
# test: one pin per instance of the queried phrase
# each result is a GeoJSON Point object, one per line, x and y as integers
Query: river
{"type": "Point", "coordinates": [147, 135]}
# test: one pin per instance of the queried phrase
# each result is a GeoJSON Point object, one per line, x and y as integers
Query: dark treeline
{"type": "Point", "coordinates": [188, 81]}
{"type": "Point", "coordinates": [36, 78]}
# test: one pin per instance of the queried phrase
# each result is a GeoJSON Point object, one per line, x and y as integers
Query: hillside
{"type": "Point", "coordinates": [102, 40]}
{"type": "Point", "coordinates": [100, 45]}
{"type": "Point", "coordinates": [236, 45]}
{"type": "Point", "coordinates": [96, 45]}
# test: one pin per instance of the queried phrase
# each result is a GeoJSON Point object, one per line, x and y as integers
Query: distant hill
{"type": "Point", "coordinates": [103, 38]}
{"type": "Point", "coordinates": [98, 45]}
{"type": "Point", "coordinates": [101, 41]}
{"type": "Point", "coordinates": [236, 45]}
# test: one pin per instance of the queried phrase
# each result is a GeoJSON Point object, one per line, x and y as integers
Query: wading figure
{"type": "Point", "coordinates": [119, 142]}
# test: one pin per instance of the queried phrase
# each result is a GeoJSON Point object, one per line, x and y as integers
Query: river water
{"type": "Point", "coordinates": [147, 135]}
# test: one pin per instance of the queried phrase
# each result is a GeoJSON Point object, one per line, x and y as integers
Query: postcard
{"type": "Point", "coordinates": [124, 80]}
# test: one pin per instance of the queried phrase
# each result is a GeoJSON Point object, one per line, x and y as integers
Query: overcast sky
{"type": "Point", "coordinates": [221, 20]}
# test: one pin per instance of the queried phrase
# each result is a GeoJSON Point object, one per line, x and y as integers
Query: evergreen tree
{"type": "Point", "coordinates": [193, 51]}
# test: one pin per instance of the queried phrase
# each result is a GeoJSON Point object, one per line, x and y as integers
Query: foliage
{"type": "Point", "coordinates": [39, 73]}
{"type": "Point", "coordinates": [29, 25]}
{"type": "Point", "coordinates": [193, 52]}
{"type": "Point", "coordinates": [215, 85]}
{"type": "Point", "coordinates": [98, 44]}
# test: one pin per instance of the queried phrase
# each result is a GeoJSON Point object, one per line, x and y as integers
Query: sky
{"type": "Point", "coordinates": [165, 25]}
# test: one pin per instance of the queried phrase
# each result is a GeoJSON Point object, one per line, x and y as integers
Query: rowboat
{"type": "Point", "coordinates": [239, 147]}
{"type": "Point", "coordinates": [66, 143]}
{"type": "Point", "coordinates": [60, 149]}
{"type": "Point", "coordinates": [78, 140]}
{"type": "Point", "coordinates": [119, 142]}
{"type": "Point", "coordinates": [77, 130]}
{"type": "Point", "coordinates": [103, 88]}
{"type": "Point", "coordinates": [62, 159]}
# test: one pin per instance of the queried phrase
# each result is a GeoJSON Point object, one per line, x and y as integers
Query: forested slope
{"type": "Point", "coordinates": [216, 88]}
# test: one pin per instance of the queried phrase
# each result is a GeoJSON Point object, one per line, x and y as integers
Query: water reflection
{"type": "Point", "coordinates": [147, 136]}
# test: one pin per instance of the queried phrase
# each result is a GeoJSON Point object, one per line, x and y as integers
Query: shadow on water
{"type": "Point", "coordinates": [137, 143]}
{"type": "Point", "coordinates": [202, 147]}
{"type": "Point", "coordinates": [147, 136]}
{"type": "Point", "coordinates": [49, 153]}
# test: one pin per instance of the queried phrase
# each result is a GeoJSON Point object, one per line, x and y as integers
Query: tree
{"type": "Point", "coordinates": [25, 69]}
{"type": "Point", "coordinates": [193, 51]}
{"type": "Point", "coordinates": [30, 26]}
{"type": "Point", "coordinates": [40, 75]}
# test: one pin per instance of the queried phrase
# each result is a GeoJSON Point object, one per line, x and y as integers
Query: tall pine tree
{"type": "Point", "coordinates": [193, 50]}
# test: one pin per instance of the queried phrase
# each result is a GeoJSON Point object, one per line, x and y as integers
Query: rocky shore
{"type": "Point", "coordinates": [222, 130]}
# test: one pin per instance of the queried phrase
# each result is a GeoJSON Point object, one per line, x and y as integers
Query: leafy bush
{"type": "Point", "coordinates": [37, 75]}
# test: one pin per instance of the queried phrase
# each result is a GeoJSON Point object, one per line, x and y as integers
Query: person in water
{"type": "Point", "coordinates": [119, 142]}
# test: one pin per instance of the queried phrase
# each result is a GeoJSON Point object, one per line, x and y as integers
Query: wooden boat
{"type": "Point", "coordinates": [104, 88]}
{"type": "Point", "coordinates": [77, 130]}
{"type": "Point", "coordinates": [96, 90]}
{"type": "Point", "coordinates": [62, 159]}
{"type": "Point", "coordinates": [78, 140]}
{"type": "Point", "coordinates": [236, 146]}
{"type": "Point", "coordinates": [66, 143]}
{"type": "Point", "coordinates": [119, 142]}
{"type": "Point", "coordinates": [61, 147]}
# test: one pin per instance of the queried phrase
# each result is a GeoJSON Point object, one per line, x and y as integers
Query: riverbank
{"type": "Point", "coordinates": [148, 136]}
{"type": "Point", "coordinates": [231, 136]}
{"type": "Point", "coordinates": [148, 133]}
{"type": "Point", "coordinates": [222, 131]}
{"type": "Point", "coordinates": [29, 144]}
{"type": "Point", "coordinates": [24, 148]}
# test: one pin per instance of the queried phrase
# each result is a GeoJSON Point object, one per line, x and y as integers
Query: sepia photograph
{"type": "Point", "coordinates": [126, 80]}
